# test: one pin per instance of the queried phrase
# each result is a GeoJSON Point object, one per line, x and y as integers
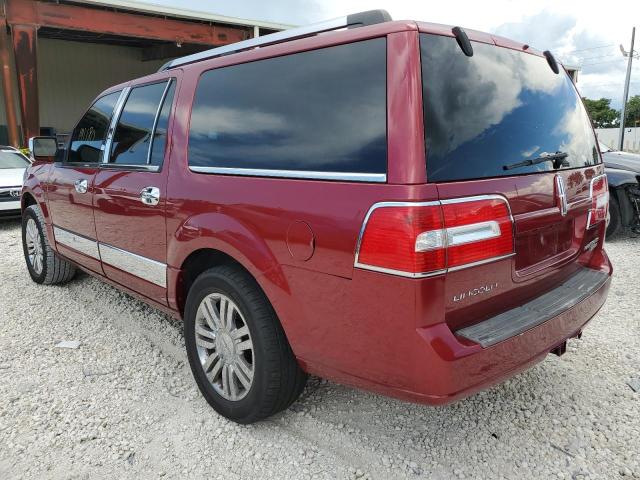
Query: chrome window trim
{"type": "Point", "coordinates": [448, 201]}
{"type": "Point", "coordinates": [106, 153]}
{"type": "Point", "coordinates": [155, 120]}
{"type": "Point", "coordinates": [137, 168]}
{"type": "Point", "coordinates": [298, 174]}
{"type": "Point", "coordinates": [137, 265]}
{"type": "Point", "coordinates": [79, 243]}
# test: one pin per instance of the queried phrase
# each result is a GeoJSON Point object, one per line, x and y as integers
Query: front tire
{"type": "Point", "coordinates": [237, 350]}
{"type": "Point", "coordinates": [44, 265]}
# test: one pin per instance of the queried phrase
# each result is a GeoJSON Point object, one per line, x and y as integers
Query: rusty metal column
{"type": "Point", "coordinates": [25, 39]}
{"type": "Point", "coordinates": [8, 86]}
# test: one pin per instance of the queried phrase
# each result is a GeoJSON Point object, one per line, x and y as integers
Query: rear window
{"type": "Point", "coordinates": [498, 108]}
{"type": "Point", "coordinates": [317, 111]}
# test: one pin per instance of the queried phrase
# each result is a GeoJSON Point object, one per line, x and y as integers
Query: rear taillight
{"type": "Point", "coordinates": [599, 193]}
{"type": "Point", "coordinates": [423, 239]}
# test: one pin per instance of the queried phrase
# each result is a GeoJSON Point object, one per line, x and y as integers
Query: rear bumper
{"type": "Point", "coordinates": [459, 369]}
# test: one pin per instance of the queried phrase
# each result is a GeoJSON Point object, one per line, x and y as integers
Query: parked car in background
{"type": "Point", "coordinates": [13, 164]}
{"type": "Point", "coordinates": [623, 174]}
{"type": "Point", "coordinates": [279, 200]}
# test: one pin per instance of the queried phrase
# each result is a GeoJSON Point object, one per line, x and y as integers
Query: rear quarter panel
{"type": "Point", "coordinates": [250, 218]}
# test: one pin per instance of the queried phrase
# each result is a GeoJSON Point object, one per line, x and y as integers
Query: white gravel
{"type": "Point", "coordinates": [124, 405]}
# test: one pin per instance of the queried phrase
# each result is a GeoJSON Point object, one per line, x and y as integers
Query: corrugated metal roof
{"type": "Point", "coordinates": [148, 7]}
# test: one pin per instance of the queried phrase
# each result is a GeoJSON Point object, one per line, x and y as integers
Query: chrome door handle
{"type": "Point", "coordinates": [81, 185]}
{"type": "Point", "coordinates": [150, 195]}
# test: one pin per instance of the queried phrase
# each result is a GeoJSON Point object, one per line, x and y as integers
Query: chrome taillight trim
{"type": "Point", "coordinates": [561, 192]}
{"type": "Point", "coordinates": [593, 180]}
{"type": "Point", "coordinates": [375, 206]}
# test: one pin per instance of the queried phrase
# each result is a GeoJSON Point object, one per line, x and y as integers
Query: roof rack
{"type": "Point", "coordinates": [361, 19]}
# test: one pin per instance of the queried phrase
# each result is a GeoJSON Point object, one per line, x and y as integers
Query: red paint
{"type": "Point", "coordinates": [381, 332]}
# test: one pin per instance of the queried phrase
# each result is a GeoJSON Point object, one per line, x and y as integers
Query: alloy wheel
{"type": "Point", "coordinates": [34, 246]}
{"type": "Point", "coordinates": [224, 346]}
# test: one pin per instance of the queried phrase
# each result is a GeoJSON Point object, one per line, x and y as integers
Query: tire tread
{"type": "Point", "coordinates": [285, 379]}
{"type": "Point", "coordinates": [56, 269]}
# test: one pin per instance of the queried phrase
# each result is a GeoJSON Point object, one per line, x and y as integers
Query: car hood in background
{"type": "Point", "coordinates": [11, 177]}
{"type": "Point", "coordinates": [622, 160]}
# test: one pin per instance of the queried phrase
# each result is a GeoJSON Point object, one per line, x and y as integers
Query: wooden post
{"type": "Point", "coordinates": [8, 85]}
{"type": "Point", "coordinates": [25, 40]}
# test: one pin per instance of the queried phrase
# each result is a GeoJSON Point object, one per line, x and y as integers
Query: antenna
{"type": "Point", "coordinates": [362, 19]}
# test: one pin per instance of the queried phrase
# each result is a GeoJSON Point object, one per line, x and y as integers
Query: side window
{"type": "Point", "coordinates": [132, 137]}
{"type": "Point", "coordinates": [160, 134]}
{"type": "Point", "coordinates": [317, 111]}
{"type": "Point", "coordinates": [88, 136]}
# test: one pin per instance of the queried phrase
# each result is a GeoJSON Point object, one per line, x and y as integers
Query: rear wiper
{"type": "Point", "coordinates": [557, 159]}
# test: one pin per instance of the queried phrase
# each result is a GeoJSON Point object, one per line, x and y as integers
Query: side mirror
{"type": "Point", "coordinates": [43, 149]}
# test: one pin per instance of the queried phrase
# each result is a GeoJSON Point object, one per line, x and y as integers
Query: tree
{"type": "Point", "coordinates": [632, 112]}
{"type": "Point", "coordinates": [601, 113]}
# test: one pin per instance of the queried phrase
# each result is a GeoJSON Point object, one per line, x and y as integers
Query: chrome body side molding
{"type": "Point", "coordinates": [77, 242]}
{"type": "Point", "coordinates": [137, 265]}
{"type": "Point", "coordinates": [142, 267]}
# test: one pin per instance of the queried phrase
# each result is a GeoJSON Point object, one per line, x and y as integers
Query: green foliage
{"type": "Point", "coordinates": [632, 114]}
{"type": "Point", "coordinates": [601, 113]}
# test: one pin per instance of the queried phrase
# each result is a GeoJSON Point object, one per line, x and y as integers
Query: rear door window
{"type": "Point", "coordinates": [317, 111]}
{"type": "Point", "coordinates": [132, 139]}
{"type": "Point", "coordinates": [499, 108]}
{"type": "Point", "coordinates": [89, 135]}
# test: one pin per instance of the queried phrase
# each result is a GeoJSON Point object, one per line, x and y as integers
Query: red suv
{"type": "Point", "coordinates": [400, 206]}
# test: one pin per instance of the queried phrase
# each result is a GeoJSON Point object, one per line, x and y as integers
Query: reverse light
{"type": "Point", "coordinates": [423, 239]}
{"type": "Point", "coordinates": [599, 194]}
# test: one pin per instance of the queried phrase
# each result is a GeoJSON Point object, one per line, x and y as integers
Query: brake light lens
{"type": "Point", "coordinates": [422, 239]}
{"type": "Point", "coordinates": [599, 193]}
{"type": "Point", "coordinates": [477, 231]}
{"type": "Point", "coordinates": [394, 238]}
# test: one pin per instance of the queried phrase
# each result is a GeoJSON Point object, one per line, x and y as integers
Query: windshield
{"type": "Point", "coordinates": [12, 159]}
{"type": "Point", "coordinates": [499, 112]}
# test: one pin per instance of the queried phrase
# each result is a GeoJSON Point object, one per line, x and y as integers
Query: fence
{"type": "Point", "coordinates": [609, 136]}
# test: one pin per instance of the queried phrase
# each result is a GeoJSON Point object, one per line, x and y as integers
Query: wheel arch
{"type": "Point", "coordinates": [211, 239]}
{"type": "Point", "coordinates": [27, 200]}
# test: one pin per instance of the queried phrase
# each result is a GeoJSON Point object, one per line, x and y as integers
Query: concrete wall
{"type": "Point", "coordinates": [71, 74]}
{"type": "Point", "coordinates": [609, 136]}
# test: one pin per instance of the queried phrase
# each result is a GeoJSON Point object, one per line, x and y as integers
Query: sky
{"type": "Point", "coordinates": [581, 33]}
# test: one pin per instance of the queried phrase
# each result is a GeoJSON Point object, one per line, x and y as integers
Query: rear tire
{"type": "Point", "coordinates": [44, 265]}
{"type": "Point", "coordinates": [615, 218]}
{"type": "Point", "coordinates": [250, 339]}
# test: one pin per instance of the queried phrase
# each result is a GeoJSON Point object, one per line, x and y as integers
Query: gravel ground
{"type": "Point", "coordinates": [124, 405]}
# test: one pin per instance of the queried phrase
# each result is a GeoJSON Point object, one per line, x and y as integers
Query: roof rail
{"type": "Point", "coordinates": [361, 19]}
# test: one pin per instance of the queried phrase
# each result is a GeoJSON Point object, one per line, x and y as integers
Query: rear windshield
{"type": "Point", "coordinates": [498, 108]}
